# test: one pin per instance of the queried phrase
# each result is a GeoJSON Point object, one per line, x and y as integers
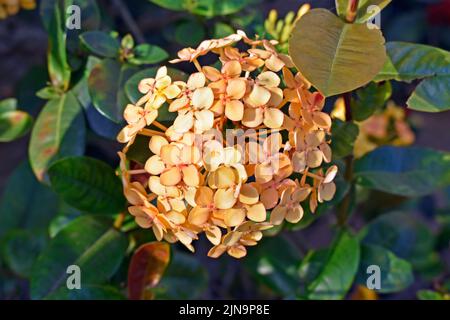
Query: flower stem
{"type": "Point", "coordinates": [159, 125]}
{"type": "Point", "coordinates": [352, 9]}
{"type": "Point", "coordinates": [150, 132]}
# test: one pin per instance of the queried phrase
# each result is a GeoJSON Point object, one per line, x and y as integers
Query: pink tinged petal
{"type": "Point", "coordinates": [162, 72]}
{"type": "Point", "coordinates": [204, 120]}
{"type": "Point", "coordinates": [273, 118]}
{"type": "Point", "coordinates": [233, 217]}
{"type": "Point", "coordinates": [170, 154]}
{"type": "Point", "coordinates": [214, 234]}
{"type": "Point", "coordinates": [270, 197]}
{"type": "Point", "coordinates": [326, 192]}
{"type": "Point", "coordinates": [268, 79]}
{"type": "Point", "coordinates": [156, 143]}
{"type": "Point", "coordinates": [234, 110]}
{"type": "Point", "coordinates": [252, 117]}
{"type": "Point", "coordinates": [231, 238]}
{"type": "Point", "coordinates": [203, 98]}
{"type": "Point", "coordinates": [183, 123]}
{"type": "Point", "coordinates": [295, 214]}
{"type": "Point", "coordinates": [212, 73]}
{"type": "Point", "coordinates": [300, 194]}
{"type": "Point", "coordinates": [191, 176]}
{"type": "Point", "coordinates": [204, 196]}
{"type": "Point", "coordinates": [249, 194]}
{"type": "Point", "coordinates": [330, 174]}
{"type": "Point", "coordinates": [273, 144]}
{"type": "Point", "coordinates": [145, 85]}
{"type": "Point", "coordinates": [326, 151]}
{"type": "Point", "coordinates": [314, 139]}
{"type": "Point", "coordinates": [231, 156]}
{"type": "Point", "coordinates": [154, 165]}
{"type": "Point", "coordinates": [299, 161]}
{"type": "Point", "coordinates": [287, 60]}
{"type": "Point", "coordinates": [158, 231]}
{"type": "Point", "coordinates": [172, 91]}
{"type": "Point", "coordinates": [321, 119]}
{"type": "Point", "coordinates": [263, 173]}
{"type": "Point", "coordinates": [196, 80]}
{"type": "Point", "coordinates": [289, 78]}
{"type": "Point", "coordinates": [171, 177]}
{"type": "Point", "coordinates": [314, 158]}
{"type": "Point", "coordinates": [126, 134]}
{"type": "Point", "coordinates": [237, 252]}
{"type": "Point", "coordinates": [158, 101]}
{"type": "Point", "coordinates": [276, 97]}
{"type": "Point", "coordinates": [198, 216]}
{"type": "Point", "coordinates": [274, 63]}
{"type": "Point", "coordinates": [179, 103]}
{"type": "Point", "coordinates": [224, 177]}
{"type": "Point", "coordinates": [256, 212]}
{"type": "Point", "coordinates": [150, 116]}
{"type": "Point", "coordinates": [232, 69]}
{"type": "Point", "coordinates": [259, 96]}
{"type": "Point", "coordinates": [176, 218]}
{"type": "Point", "coordinates": [217, 251]}
{"type": "Point", "coordinates": [277, 215]}
{"type": "Point", "coordinates": [155, 186]}
{"type": "Point", "coordinates": [133, 114]}
{"type": "Point", "coordinates": [224, 198]}
{"type": "Point", "coordinates": [236, 88]}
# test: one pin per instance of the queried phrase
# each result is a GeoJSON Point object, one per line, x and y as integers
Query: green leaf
{"type": "Point", "coordinates": [88, 242]}
{"type": "Point", "coordinates": [347, 56]}
{"type": "Point", "coordinates": [408, 62]}
{"type": "Point", "coordinates": [101, 43]}
{"type": "Point", "coordinates": [147, 266]}
{"type": "Point", "coordinates": [59, 132]}
{"type": "Point", "coordinates": [8, 105]}
{"type": "Point", "coordinates": [25, 203]}
{"type": "Point", "coordinates": [430, 295]}
{"type": "Point", "coordinates": [396, 274]}
{"type": "Point", "coordinates": [370, 99]}
{"type": "Point", "coordinates": [189, 33]}
{"type": "Point", "coordinates": [14, 124]}
{"type": "Point", "coordinates": [339, 270]}
{"type": "Point", "coordinates": [20, 248]}
{"type": "Point", "coordinates": [87, 184]}
{"type": "Point", "coordinates": [409, 172]}
{"type": "Point", "coordinates": [58, 67]}
{"type": "Point", "coordinates": [207, 8]}
{"type": "Point", "coordinates": [148, 54]}
{"type": "Point", "coordinates": [344, 136]}
{"type": "Point", "coordinates": [403, 234]}
{"type": "Point", "coordinates": [87, 292]}
{"type": "Point", "coordinates": [106, 82]}
{"type": "Point", "coordinates": [184, 279]}
{"type": "Point", "coordinates": [275, 268]}
{"type": "Point", "coordinates": [363, 14]}
{"type": "Point", "coordinates": [221, 30]}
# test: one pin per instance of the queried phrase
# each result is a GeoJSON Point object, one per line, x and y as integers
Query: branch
{"type": "Point", "coordinates": [352, 10]}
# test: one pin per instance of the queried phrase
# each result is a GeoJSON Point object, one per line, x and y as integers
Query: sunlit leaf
{"type": "Point", "coordinates": [148, 54]}
{"type": "Point", "coordinates": [147, 266]}
{"type": "Point", "coordinates": [370, 99]}
{"type": "Point", "coordinates": [14, 124]}
{"type": "Point", "coordinates": [363, 12]}
{"type": "Point", "coordinates": [347, 56]}
{"type": "Point", "coordinates": [344, 136]}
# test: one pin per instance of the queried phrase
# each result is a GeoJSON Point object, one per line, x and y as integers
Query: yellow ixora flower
{"type": "Point", "coordinates": [12, 7]}
{"type": "Point", "coordinates": [197, 180]}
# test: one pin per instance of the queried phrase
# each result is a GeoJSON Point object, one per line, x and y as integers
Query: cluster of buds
{"type": "Point", "coordinates": [12, 7]}
{"type": "Point", "coordinates": [246, 151]}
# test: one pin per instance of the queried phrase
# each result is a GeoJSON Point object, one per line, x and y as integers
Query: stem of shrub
{"type": "Point", "coordinates": [351, 11]}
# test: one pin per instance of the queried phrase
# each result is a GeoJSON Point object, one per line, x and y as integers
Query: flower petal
{"type": "Point", "coordinates": [234, 110]}
{"type": "Point", "coordinates": [203, 98]}
{"type": "Point", "coordinates": [249, 194]}
{"type": "Point", "coordinates": [154, 165]}
{"type": "Point", "coordinates": [277, 215]}
{"type": "Point", "coordinates": [171, 177]}
{"type": "Point", "coordinates": [273, 118]}
{"type": "Point", "coordinates": [233, 217]}
{"type": "Point", "coordinates": [224, 198]}
{"type": "Point", "coordinates": [295, 214]}
{"type": "Point", "coordinates": [252, 117]}
{"type": "Point", "coordinates": [256, 212]}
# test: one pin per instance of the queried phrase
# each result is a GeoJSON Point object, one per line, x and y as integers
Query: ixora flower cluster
{"type": "Point", "coordinates": [195, 180]}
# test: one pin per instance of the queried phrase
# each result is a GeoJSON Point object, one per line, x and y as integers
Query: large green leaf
{"type": "Point", "coordinates": [101, 43]}
{"type": "Point", "coordinates": [363, 13]}
{"type": "Point", "coordinates": [338, 271]}
{"type": "Point", "coordinates": [396, 273]}
{"type": "Point", "coordinates": [87, 184]}
{"type": "Point", "coordinates": [8, 105]}
{"type": "Point", "coordinates": [106, 83]}
{"type": "Point", "coordinates": [208, 8]}
{"type": "Point", "coordinates": [185, 278]}
{"type": "Point", "coordinates": [275, 268]}
{"type": "Point", "coordinates": [409, 172]}
{"type": "Point", "coordinates": [148, 54]}
{"type": "Point", "coordinates": [14, 124]}
{"type": "Point", "coordinates": [26, 204]}
{"type": "Point", "coordinates": [370, 99]}
{"type": "Point", "coordinates": [59, 132]}
{"type": "Point", "coordinates": [409, 61]}
{"type": "Point", "coordinates": [87, 292]}
{"type": "Point", "coordinates": [344, 136]}
{"type": "Point", "coordinates": [147, 266]}
{"type": "Point", "coordinates": [88, 242]}
{"type": "Point", "coordinates": [346, 57]}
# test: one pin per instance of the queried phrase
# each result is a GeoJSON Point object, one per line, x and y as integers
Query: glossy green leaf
{"type": "Point", "coordinates": [20, 248]}
{"type": "Point", "coordinates": [87, 184]}
{"type": "Point", "coordinates": [147, 266]}
{"type": "Point", "coordinates": [88, 242]}
{"type": "Point", "coordinates": [396, 274]}
{"type": "Point", "coordinates": [189, 33]}
{"type": "Point", "coordinates": [14, 124]}
{"type": "Point", "coordinates": [106, 82]}
{"type": "Point", "coordinates": [148, 54]}
{"type": "Point", "coordinates": [58, 67]}
{"type": "Point", "coordinates": [185, 278]}
{"type": "Point", "coordinates": [338, 271]}
{"type": "Point", "coordinates": [8, 105]}
{"type": "Point", "coordinates": [25, 203]}
{"type": "Point", "coordinates": [347, 56]}
{"type": "Point", "coordinates": [409, 172]}
{"type": "Point", "coordinates": [101, 43]}
{"type": "Point", "coordinates": [430, 295]}
{"type": "Point", "coordinates": [364, 12]}
{"type": "Point", "coordinates": [275, 268]}
{"type": "Point", "coordinates": [344, 136]}
{"type": "Point", "coordinates": [403, 234]}
{"type": "Point", "coordinates": [221, 30]}
{"type": "Point", "coordinates": [208, 8]}
{"type": "Point", "coordinates": [409, 61]}
{"type": "Point", "coordinates": [87, 292]}
{"type": "Point", "coordinates": [59, 132]}
{"type": "Point", "coordinates": [370, 99]}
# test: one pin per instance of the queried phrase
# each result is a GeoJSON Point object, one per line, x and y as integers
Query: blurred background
{"type": "Point", "coordinates": [23, 45]}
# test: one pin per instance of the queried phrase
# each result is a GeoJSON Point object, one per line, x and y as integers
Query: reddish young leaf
{"type": "Point", "coordinates": [146, 269]}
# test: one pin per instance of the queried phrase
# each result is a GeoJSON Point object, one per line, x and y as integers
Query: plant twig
{"type": "Point", "coordinates": [352, 10]}
{"type": "Point", "coordinates": [129, 20]}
